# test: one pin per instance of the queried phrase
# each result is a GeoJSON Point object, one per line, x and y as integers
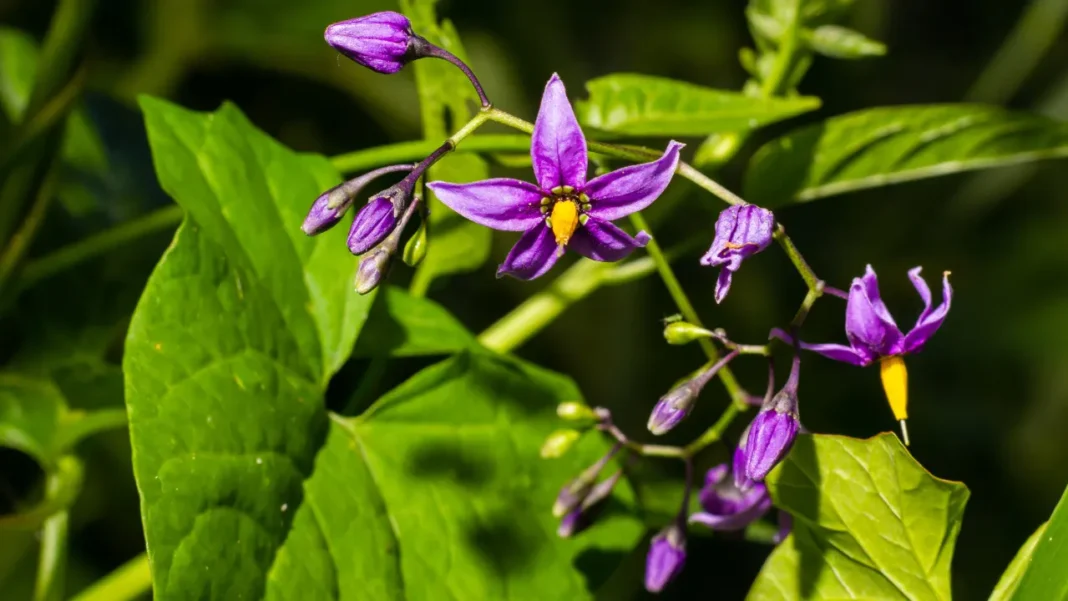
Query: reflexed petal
{"type": "Point", "coordinates": [867, 325]}
{"type": "Point", "coordinates": [929, 321]}
{"type": "Point", "coordinates": [923, 290]}
{"type": "Point", "coordinates": [723, 284]}
{"type": "Point", "coordinates": [749, 508]}
{"type": "Point", "coordinates": [502, 204]}
{"type": "Point", "coordinates": [372, 224]}
{"type": "Point", "coordinates": [557, 145]}
{"type": "Point", "coordinates": [840, 352]}
{"type": "Point", "coordinates": [603, 241]}
{"type": "Point", "coordinates": [533, 255]}
{"type": "Point", "coordinates": [621, 192]}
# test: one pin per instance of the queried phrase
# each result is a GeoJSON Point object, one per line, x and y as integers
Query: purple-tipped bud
{"type": "Point", "coordinates": [672, 408]}
{"type": "Point", "coordinates": [373, 223]}
{"type": "Point", "coordinates": [372, 269]}
{"type": "Point", "coordinates": [773, 430]}
{"type": "Point", "coordinates": [666, 558]}
{"type": "Point", "coordinates": [331, 205]}
{"type": "Point", "coordinates": [579, 519]}
{"type": "Point", "coordinates": [741, 231]}
{"type": "Point", "coordinates": [382, 42]}
{"type": "Point", "coordinates": [574, 493]}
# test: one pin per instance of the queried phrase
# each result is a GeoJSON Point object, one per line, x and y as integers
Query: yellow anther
{"type": "Point", "coordinates": [564, 219]}
{"type": "Point", "coordinates": [896, 384]}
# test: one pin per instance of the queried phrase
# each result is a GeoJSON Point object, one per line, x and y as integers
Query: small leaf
{"type": "Point", "coordinates": [30, 414]}
{"type": "Point", "coordinates": [882, 146]}
{"type": "Point", "coordinates": [869, 523]}
{"type": "Point", "coordinates": [1010, 579]}
{"type": "Point", "coordinates": [841, 42]}
{"type": "Point", "coordinates": [1044, 576]}
{"type": "Point", "coordinates": [644, 105]}
{"type": "Point", "coordinates": [402, 325]}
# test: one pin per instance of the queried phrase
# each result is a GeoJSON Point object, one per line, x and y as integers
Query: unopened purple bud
{"type": "Point", "coordinates": [372, 269]}
{"type": "Point", "coordinates": [666, 558]}
{"type": "Point", "coordinates": [381, 41]}
{"type": "Point", "coordinates": [741, 231]}
{"type": "Point", "coordinates": [672, 408]}
{"type": "Point", "coordinates": [572, 523]}
{"type": "Point", "coordinates": [373, 223]}
{"type": "Point", "coordinates": [579, 519]}
{"type": "Point", "coordinates": [573, 495]}
{"type": "Point", "coordinates": [331, 205]}
{"type": "Point", "coordinates": [771, 435]}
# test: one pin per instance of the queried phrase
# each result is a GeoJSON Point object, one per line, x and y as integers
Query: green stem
{"type": "Point", "coordinates": [131, 580]}
{"type": "Point", "coordinates": [714, 433]}
{"type": "Point", "coordinates": [93, 246]}
{"type": "Point", "coordinates": [784, 60]}
{"type": "Point", "coordinates": [63, 482]}
{"type": "Point", "coordinates": [795, 257]}
{"type": "Point", "coordinates": [11, 256]}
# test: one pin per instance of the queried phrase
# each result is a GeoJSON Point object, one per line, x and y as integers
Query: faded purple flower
{"type": "Point", "coordinates": [773, 430]}
{"type": "Point", "coordinates": [873, 335]}
{"type": "Point", "coordinates": [562, 210]}
{"type": "Point", "coordinates": [331, 205]}
{"type": "Point", "coordinates": [674, 406]}
{"type": "Point", "coordinates": [666, 558]}
{"type": "Point", "coordinates": [727, 507]}
{"type": "Point", "coordinates": [381, 41]}
{"type": "Point", "coordinates": [741, 231]}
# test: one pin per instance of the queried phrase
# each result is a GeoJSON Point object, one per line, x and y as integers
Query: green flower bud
{"type": "Point", "coordinates": [575, 411]}
{"type": "Point", "coordinates": [558, 443]}
{"type": "Point", "coordinates": [415, 249]}
{"type": "Point", "coordinates": [682, 332]}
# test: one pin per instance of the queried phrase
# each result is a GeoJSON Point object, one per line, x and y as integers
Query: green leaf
{"type": "Point", "coordinates": [842, 42]}
{"type": "Point", "coordinates": [18, 68]}
{"type": "Point", "coordinates": [249, 195]}
{"type": "Point", "coordinates": [456, 245]}
{"type": "Point", "coordinates": [1044, 576]}
{"type": "Point", "coordinates": [644, 105]}
{"type": "Point", "coordinates": [882, 146]}
{"type": "Point", "coordinates": [402, 325]}
{"type": "Point", "coordinates": [1010, 579]}
{"type": "Point", "coordinates": [869, 523]}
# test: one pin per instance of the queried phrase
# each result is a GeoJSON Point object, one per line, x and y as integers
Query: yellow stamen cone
{"type": "Point", "coordinates": [896, 384]}
{"type": "Point", "coordinates": [565, 220]}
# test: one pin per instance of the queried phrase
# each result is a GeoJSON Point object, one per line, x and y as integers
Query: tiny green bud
{"type": "Point", "coordinates": [415, 249]}
{"type": "Point", "coordinates": [682, 332]}
{"type": "Point", "coordinates": [558, 443]}
{"type": "Point", "coordinates": [574, 411]}
{"type": "Point", "coordinates": [840, 42]}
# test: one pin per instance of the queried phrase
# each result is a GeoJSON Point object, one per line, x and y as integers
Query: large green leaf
{"type": "Point", "coordinates": [882, 146]}
{"type": "Point", "coordinates": [456, 244]}
{"type": "Point", "coordinates": [402, 325]}
{"type": "Point", "coordinates": [249, 194]}
{"type": "Point", "coordinates": [869, 523]}
{"type": "Point", "coordinates": [644, 105]}
{"type": "Point", "coordinates": [1010, 578]}
{"type": "Point", "coordinates": [1044, 576]}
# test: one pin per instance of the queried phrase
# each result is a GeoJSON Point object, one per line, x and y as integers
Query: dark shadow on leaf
{"type": "Point", "coordinates": [806, 502]}
{"type": "Point", "coordinates": [381, 334]}
{"type": "Point", "coordinates": [774, 179]}
{"type": "Point", "coordinates": [505, 542]}
{"type": "Point", "coordinates": [438, 460]}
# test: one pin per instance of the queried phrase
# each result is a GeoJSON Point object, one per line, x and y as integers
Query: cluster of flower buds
{"type": "Point", "coordinates": [580, 499]}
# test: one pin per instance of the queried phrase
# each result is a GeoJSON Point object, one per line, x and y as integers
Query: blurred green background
{"type": "Point", "coordinates": [989, 393]}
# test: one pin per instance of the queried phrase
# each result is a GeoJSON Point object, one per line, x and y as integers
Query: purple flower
{"type": "Point", "coordinates": [773, 430]}
{"type": "Point", "coordinates": [563, 209]}
{"type": "Point", "coordinates": [331, 205]}
{"type": "Point", "coordinates": [727, 507]}
{"type": "Point", "coordinates": [741, 231]}
{"type": "Point", "coordinates": [874, 336]}
{"type": "Point", "coordinates": [381, 41]}
{"type": "Point", "coordinates": [666, 558]}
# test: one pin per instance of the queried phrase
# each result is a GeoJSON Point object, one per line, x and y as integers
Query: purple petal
{"type": "Point", "coordinates": [923, 290]}
{"type": "Point", "coordinates": [502, 204]}
{"type": "Point", "coordinates": [666, 558]}
{"type": "Point", "coordinates": [749, 508]}
{"type": "Point", "coordinates": [377, 41]}
{"type": "Point", "coordinates": [534, 254]}
{"type": "Point", "coordinates": [715, 475]}
{"type": "Point", "coordinates": [723, 284]}
{"type": "Point", "coordinates": [771, 435]}
{"type": "Point", "coordinates": [621, 192]}
{"type": "Point", "coordinates": [840, 352]}
{"type": "Point", "coordinates": [868, 324]}
{"type": "Point", "coordinates": [372, 224]}
{"type": "Point", "coordinates": [929, 321]}
{"type": "Point", "coordinates": [557, 145]}
{"type": "Point", "coordinates": [603, 241]}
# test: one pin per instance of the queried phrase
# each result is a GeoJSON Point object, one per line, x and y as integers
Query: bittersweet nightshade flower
{"type": "Point", "coordinates": [562, 210]}
{"type": "Point", "coordinates": [874, 336]}
{"type": "Point", "coordinates": [741, 231]}
{"type": "Point", "coordinates": [666, 558]}
{"type": "Point", "coordinates": [674, 406]}
{"type": "Point", "coordinates": [331, 205]}
{"type": "Point", "coordinates": [773, 430]}
{"type": "Point", "coordinates": [725, 505]}
{"type": "Point", "coordinates": [382, 41]}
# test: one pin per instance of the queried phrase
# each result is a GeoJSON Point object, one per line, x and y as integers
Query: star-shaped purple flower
{"type": "Point", "coordinates": [562, 210]}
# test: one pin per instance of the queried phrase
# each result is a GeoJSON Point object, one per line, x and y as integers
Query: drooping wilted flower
{"type": "Point", "coordinates": [773, 430]}
{"type": "Point", "coordinates": [674, 406]}
{"type": "Point", "coordinates": [741, 231]}
{"type": "Point", "coordinates": [331, 205]}
{"type": "Point", "coordinates": [382, 41]}
{"type": "Point", "coordinates": [726, 506]}
{"type": "Point", "coordinates": [666, 558]}
{"type": "Point", "coordinates": [874, 336]}
{"type": "Point", "coordinates": [562, 210]}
